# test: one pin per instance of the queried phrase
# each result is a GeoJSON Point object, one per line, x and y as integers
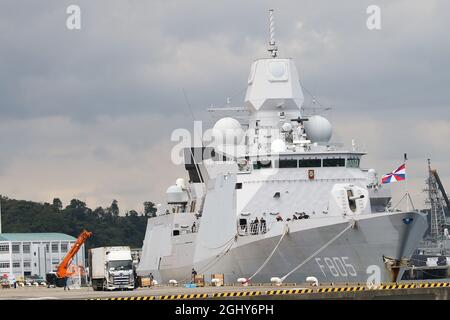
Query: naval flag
{"type": "Point", "coordinates": [397, 175]}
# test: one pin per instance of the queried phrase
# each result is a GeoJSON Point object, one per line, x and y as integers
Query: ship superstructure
{"type": "Point", "coordinates": [270, 197]}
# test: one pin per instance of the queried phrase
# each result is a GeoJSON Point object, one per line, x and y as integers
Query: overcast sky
{"type": "Point", "coordinates": [88, 113]}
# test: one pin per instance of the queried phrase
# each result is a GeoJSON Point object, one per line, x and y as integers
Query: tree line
{"type": "Point", "coordinates": [109, 228]}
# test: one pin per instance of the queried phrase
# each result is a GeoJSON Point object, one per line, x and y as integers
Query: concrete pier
{"type": "Point", "coordinates": [417, 290]}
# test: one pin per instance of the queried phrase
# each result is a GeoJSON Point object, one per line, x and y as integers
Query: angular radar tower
{"type": "Point", "coordinates": [273, 83]}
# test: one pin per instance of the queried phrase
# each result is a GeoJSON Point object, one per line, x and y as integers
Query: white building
{"type": "Point", "coordinates": [24, 254]}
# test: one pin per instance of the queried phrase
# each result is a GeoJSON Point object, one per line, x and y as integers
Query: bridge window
{"type": "Point", "coordinates": [353, 163]}
{"type": "Point", "coordinates": [310, 163]}
{"type": "Point", "coordinates": [285, 163]}
{"type": "Point", "coordinates": [334, 162]}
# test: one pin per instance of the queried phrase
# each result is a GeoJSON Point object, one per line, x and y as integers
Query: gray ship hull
{"type": "Point", "coordinates": [353, 257]}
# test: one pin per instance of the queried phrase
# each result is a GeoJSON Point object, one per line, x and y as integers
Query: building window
{"type": "Point", "coordinates": [54, 247]}
{"type": "Point", "coordinates": [310, 163]}
{"type": "Point", "coordinates": [334, 162]}
{"type": "Point", "coordinates": [239, 185]}
{"type": "Point", "coordinates": [26, 248]}
{"type": "Point", "coordinates": [4, 264]}
{"type": "Point", "coordinates": [16, 248]}
{"type": "Point", "coordinates": [63, 247]}
{"type": "Point", "coordinates": [26, 264]}
{"type": "Point", "coordinates": [16, 264]}
{"type": "Point", "coordinates": [47, 247]}
{"type": "Point", "coordinates": [4, 248]}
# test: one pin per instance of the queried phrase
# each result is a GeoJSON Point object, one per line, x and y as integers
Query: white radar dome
{"type": "Point", "coordinates": [227, 131]}
{"type": "Point", "coordinates": [174, 189]}
{"type": "Point", "coordinates": [175, 194]}
{"type": "Point", "coordinates": [278, 146]}
{"type": "Point", "coordinates": [286, 127]}
{"type": "Point", "coordinates": [318, 129]}
{"type": "Point", "coordinates": [181, 183]}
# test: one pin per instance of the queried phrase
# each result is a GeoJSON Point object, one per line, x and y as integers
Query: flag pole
{"type": "Point", "coordinates": [406, 183]}
{"type": "Point", "coordinates": [408, 197]}
{"type": "Point", "coordinates": [0, 214]}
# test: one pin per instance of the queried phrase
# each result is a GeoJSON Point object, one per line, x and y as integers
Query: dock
{"type": "Point", "coordinates": [423, 290]}
{"type": "Point", "coordinates": [410, 290]}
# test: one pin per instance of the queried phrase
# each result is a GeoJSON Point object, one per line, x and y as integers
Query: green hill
{"type": "Point", "coordinates": [109, 228]}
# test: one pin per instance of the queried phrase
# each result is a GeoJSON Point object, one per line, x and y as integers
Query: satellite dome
{"type": "Point", "coordinates": [318, 129]}
{"type": "Point", "coordinates": [286, 127]}
{"type": "Point", "coordinates": [174, 189]}
{"type": "Point", "coordinates": [278, 146]}
{"type": "Point", "coordinates": [175, 194]}
{"type": "Point", "coordinates": [227, 131]}
{"type": "Point", "coordinates": [181, 183]}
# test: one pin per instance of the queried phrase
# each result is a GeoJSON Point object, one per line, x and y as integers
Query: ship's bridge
{"type": "Point", "coordinates": [299, 160]}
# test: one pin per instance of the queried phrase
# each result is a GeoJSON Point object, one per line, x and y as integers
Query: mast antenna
{"type": "Point", "coordinates": [273, 49]}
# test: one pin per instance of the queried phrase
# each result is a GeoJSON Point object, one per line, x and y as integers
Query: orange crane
{"type": "Point", "coordinates": [63, 268]}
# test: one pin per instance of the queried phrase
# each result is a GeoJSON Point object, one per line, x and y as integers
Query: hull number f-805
{"type": "Point", "coordinates": [336, 266]}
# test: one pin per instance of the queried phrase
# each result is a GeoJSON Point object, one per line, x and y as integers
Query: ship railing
{"type": "Point", "coordinates": [252, 228]}
{"type": "Point", "coordinates": [186, 229]}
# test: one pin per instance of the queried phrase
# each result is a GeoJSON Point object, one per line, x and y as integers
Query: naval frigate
{"type": "Point", "coordinates": [271, 199]}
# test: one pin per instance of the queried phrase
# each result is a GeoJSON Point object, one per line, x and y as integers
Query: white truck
{"type": "Point", "coordinates": [111, 268]}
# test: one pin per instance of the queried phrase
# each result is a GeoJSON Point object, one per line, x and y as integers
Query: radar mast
{"type": "Point", "coordinates": [273, 49]}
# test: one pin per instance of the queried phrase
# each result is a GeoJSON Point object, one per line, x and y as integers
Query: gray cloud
{"type": "Point", "coordinates": [89, 113]}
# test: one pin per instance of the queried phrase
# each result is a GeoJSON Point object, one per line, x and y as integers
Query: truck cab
{"type": "Point", "coordinates": [111, 268]}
